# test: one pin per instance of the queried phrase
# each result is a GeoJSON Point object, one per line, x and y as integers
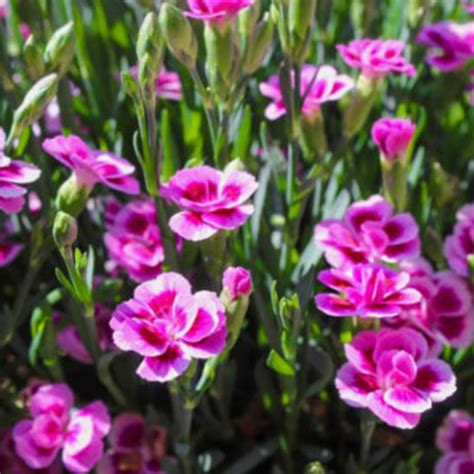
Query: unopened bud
{"type": "Point", "coordinates": [33, 58]}
{"type": "Point", "coordinates": [220, 58]}
{"type": "Point", "coordinates": [60, 49]}
{"type": "Point", "coordinates": [357, 113]}
{"type": "Point", "coordinates": [64, 230]}
{"type": "Point", "coordinates": [443, 186]}
{"type": "Point", "coordinates": [72, 196]}
{"type": "Point", "coordinates": [33, 105]}
{"type": "Point", "coordinates": [248, 18]}
{"type": "Point", "coordinates": [149, 53]}
{"type": "Point", "coordinates": [313, 136]}
{"type": "Point", "coordinates": [258, 45]}
{"type": "Point", "coordinates": [179, 35]}
{"type": "Point", "coordinates": [301, 17]}
{"type": "Point", "coordinates": [395, 184]}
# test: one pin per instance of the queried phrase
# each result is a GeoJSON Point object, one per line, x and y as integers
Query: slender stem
{"type": "Point", "coordinates": [367, 427]}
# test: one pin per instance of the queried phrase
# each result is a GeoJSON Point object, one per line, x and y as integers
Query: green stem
{"type": "Point", "coordinates": [367, 427]}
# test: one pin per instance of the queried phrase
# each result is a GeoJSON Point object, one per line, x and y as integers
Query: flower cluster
{"type": "Point", "coordinates": [394, 372]}
{"type": "Point", "coordinates": [455, 439]}
{"type": "Point", "coordinates": [169, 326]}
{"type": "Point", "coordinates": [55, 426]}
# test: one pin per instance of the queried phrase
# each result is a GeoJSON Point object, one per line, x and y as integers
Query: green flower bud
{"type": "Point", "coordinates": [394, 175]}
{"type": "Point", "coordinates": [443, 186]}
{"type": "Point", "coordinates": [248, 18]}
{"type": "Point", "coordinates": [72, 196]}
{"type": "Point", "coordinates": [179, 35]}
{"type": "Point", "coordinates": [64, 230]}
{"type": "Point", "coordinates": [357, 113]}
{"type": "Point", "coordinates": [33, 58]}
{"type": "Point", "coordinates": [220, 58]}
{"type": "Point", "coordinates": [149, 53]}
{"type": "Point", "coordinates": [60, 49]}
{"type": "Point", "coordinates": [33, 105]}
{"type": "Point", "coordinates": [258, 45]}
{"type": "Point", "coordinates": [313, 136]}
{"type": "Point", "coordinates": [301, 18]}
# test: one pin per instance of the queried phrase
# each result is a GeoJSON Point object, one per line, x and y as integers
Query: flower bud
{"type": "Point", "coordinates": [64, 230]}
{"type": "Point", "coordinates": [248, 19]}
{"type": "Point", "coordinates": [149, 53]}
{"type": "Point", "coordinates": [394, 177]}
{"type": "Point", "coordinates": [179, 35]}
{"type": "Point", "coordinates": [33, 105]}
{"type": "Point", "coordinates": [301, 17]}
{"type": "Point", "coordinates": [220, 57]}
{"type": "Point", "coordinates": [72, 196]}
{"type": "Point", "coordinates": [313, 136]}
{"type": "Point", "coordinates": [361, 104]}
{"type": "Point", "coordinates": [60, 50]}
{"type": "Point", "coordinates": [393, 136]}
{"type": "Point", "coordinates": [258, 45]}
{"type": "Point", "coordinates": [237, 282]}
{"type": "Point", "coordinates": [33, 58]}
{"type": "Point", "coordinates": [443, 187]}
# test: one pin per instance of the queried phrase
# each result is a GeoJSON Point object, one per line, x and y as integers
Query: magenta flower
{"type": "Point", "coordinates": [169, 326]}
{"type": "Point", "coordinates": [455, 439]}
{"type": "Point", "coordinates": [13, 174]}
{"type": "Point", "coordinates": [368, 291]}
{"type": "Point", "coordinates": [8, 250]}
{"type": "Point", "coordinates": [469, 6]}
{"type": "Point", "coordinates": [90, 167]}
{"type": "Point", "coordinates": [55, 426]}
{"type": "Point", "coordinates": [392, 136]}
{"type": "Point", "coordinates": [168, 84]}
{"type": "Point", "coordinates": [216, 10]}
{"type": "Point", "coordinates": [390, 374]}
{"type": "Point", "coordinates": [446, 311]}
{"type": "Point", "coordinates": [450, 44]}
{"type": "Point", "coordinates": [3, 9]}
{"type": "Point", "coordinates": [237, 281]}
{"type": "Point", "coordinates": [133, 241]}
{"type": "Point", "coordinates": [368, 232]}
{"type": "Point", "coordinates": [70, 342]}
{"type": "Point", "coordinates": [376, 57]}
{"type": "Point", "coordinates": [321, 85]}
{"type": "Point", "coordinates": [135, 448]}
{"type": "Point", "coordinates": [459, 246]}
{"type": "Point", "coordinates": [211, 201]}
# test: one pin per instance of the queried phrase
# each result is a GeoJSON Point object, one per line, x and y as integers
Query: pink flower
{"type": "Point", "coordinates": [12, 175]}
{"type": "Point", "coordinates": [321, 85]}
{"type": "Point", "coordinates": [134, 447]}
{"type": "Point", "coordinates": [55, 426]}
{"type": "Point", "coordinates": [211, 201]}
{"type": "Point", "coordinates": [459, 246]}
{"type": "Point", "coordinates": [168, 84]}
{"type": "Point", "coordinates": [237, 281]}
{"type": "Point", "coordinates": [133, 240]}
{"type": "Point", "coordinates": [446, 311]}
{"type": "Point", "coordinates": [469, 6]}
{"type": "Point", "coordinates": [3, 9]}
{"type": "Point", "coordinates": [451, 44]}
{"type": "Point", "coordinates": [216, 10]}
{"type": "Point", "coordinates": [455, 439]}
{"type": "Point", "coordinates": [390, 374]}
{"type": "Point", "coordinates": [8, 250]}
{"type": "Point", "coordinates": [376, 57]}
{"type": "Point", "coordinates": [368, 291]}
{"type": "Point", "coordinates": [92, 166]}
{"type": "Point", "coordinates": [393, 136]}
{"type": "Point", "coordinates": [368, 232]}
{"type": "Point", "coordinates": [169, 326]}
{"type": "Point", "coordinates": [70, 342]}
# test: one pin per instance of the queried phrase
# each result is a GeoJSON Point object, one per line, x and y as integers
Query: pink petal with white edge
{"type": "Point", "coordinates": [390, 415]}
{"type": "Point", "coordinates": [98, 413]}
{"type": "Point", "coordinates": [85, 460]}
{"type": "Point", "coordinates": [274, 111]}
{"type": "Point", "coordinates": [167, 283]}
{"type": "Point", "coordinates": [353, 386]}
{"type": "Point", "coordinates": [228, 219]}
{"type": "Point", "coordinates": [360, 351]}
{"type": "Point", "coordinates": [165, 368]}
{"type": "Point", "coordinates": [19, 172]}
{"type": "Point", "coordinates": [407, 400]}
{"type": "Point", "coordinates": [80, 432]}
{"type": "Point", "coordinates": [334, 305]}
{"type": "Point", "coordinates": [237, 187]}
{"type": "Point", "coordinates": [191, 226]}
{"type": "Point", "coordinates": [53, 398]}
{"type": "Point", "coordinates": [210, 346]}
{"type": "Point", "coordinates": [436, 379]}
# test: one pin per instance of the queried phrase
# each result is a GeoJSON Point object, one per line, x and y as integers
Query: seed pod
{"type": "Point", "coordinates": [179, 35]}
{"type": "Point", "coordinates": [64, 230]}
{"type": "Point", "coordinates": [60, 50]}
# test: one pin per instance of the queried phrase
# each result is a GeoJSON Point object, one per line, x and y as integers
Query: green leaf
{"type": "Point", "coordinates": [244, 136]}
{"type": "Point", "coordinates": [276, 362]}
